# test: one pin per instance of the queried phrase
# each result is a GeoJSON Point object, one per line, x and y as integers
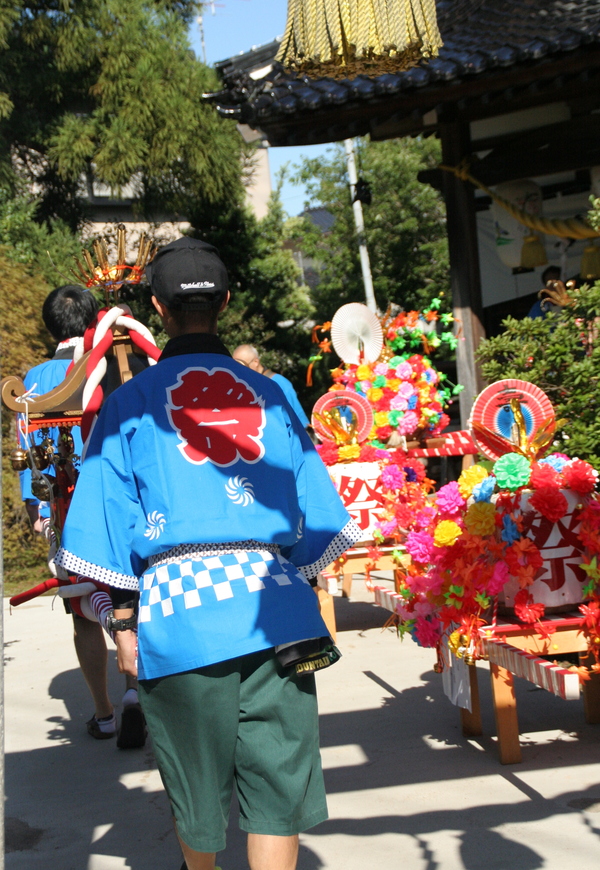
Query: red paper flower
{"type": "Point", "coordinates": [523, 559]}
{"type": "Point", "coordinates": [526, 610]}
{"type": "Point", "coordinates": [328, 452]}
{"type": "Point", "coordinates": [579, 476]}
{"type": "Point", "coordinates": [368, 453]}
{"type": "Point", "coordinates": [544, 476]}
{"type": "Point", "coordinates": [550, 502]}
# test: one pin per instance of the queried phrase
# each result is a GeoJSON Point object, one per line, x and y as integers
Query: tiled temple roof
{"type": "Point", "coordinates": [482, 38]}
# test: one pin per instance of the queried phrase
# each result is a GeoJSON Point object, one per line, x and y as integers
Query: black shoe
{"type": "Point", "coordinates": [93, 727]}
{"type": "Point", "coordinates": [132, 733]}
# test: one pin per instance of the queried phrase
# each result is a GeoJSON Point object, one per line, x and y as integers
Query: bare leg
{"type": "Point", "coordinates": [266, 852]}
{"type": "Point", "coordinates": [90, 647]}
{"type": "Point", "coordinates": [198, 860]}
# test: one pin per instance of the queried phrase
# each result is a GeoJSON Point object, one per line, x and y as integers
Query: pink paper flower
{"type": "Point", "coordinates": [407, 390]}
{"type": "Point", "coordinates": [381, 369]}
{"type": "Point", "coordinates": [404, 371]}
{"type": "Point", "coordinates": [387, 528]}
{"type": "Point", "coordinates": [408, 423]}
{"type": "Point", "coordinates": [420, 546]}
{"type": "Point", "coordinates": [427, 633]}
{"type": "Point", "coordinates": [449, 500]}
{"type": "Point", "coordinates": [499, 577]}
{"type": "Point", "coordinates": [393, 477]}
{"type": "Point", "coordinates": [399, 403]}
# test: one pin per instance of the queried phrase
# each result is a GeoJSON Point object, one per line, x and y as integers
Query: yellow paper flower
{"type": "Point", "coordinates": [480, 518]}
{"type": "Point", "coordinates": [446, 534]}
{"type": "Point", "coordinates": [349, 452]}
{"type": "Point", "coordinates": [374, 394]}
{"type": "Point", "coordinates": [364, 373]}
{"type": "Point", "coordinates": [469, 478]}
{"type": "Point", "coordinates": [454, 641]}
{"type": "Point", "coordinates": [381, 418]}
{"type": "Point", "coordinates": [394, 384]}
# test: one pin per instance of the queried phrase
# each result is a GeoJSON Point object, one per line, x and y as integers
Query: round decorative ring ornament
{"type": "Point", "coordinates": [492, 410]}
{"type": "Point", "coordinates": [351, 407]}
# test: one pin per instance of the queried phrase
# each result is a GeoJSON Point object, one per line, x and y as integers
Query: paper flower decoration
{"type": "Point", "coordinates": [550, 502]}
{"type": "Point", "coordinates": [483, 491]}
{"type": "Point", "coordinates": [446, 533]}
{"type": "Point", "coordinates": [480, 518]}
{"type": "Point", "coordinates": [470, 478]}
{"type": "Point", "coordinates": [512, 471]}
{"type": "Point", "coordinates": [449, 500]}
{"type": "Point", "coordinates": [579, 476]}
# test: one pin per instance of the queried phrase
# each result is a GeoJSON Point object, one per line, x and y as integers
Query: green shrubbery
{"type": "Point", "coordinates": [560, 354]}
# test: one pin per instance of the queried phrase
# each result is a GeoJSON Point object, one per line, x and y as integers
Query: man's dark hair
{"type": "Point", "coordinates": [201, 310]}
{"type": "Point", "coordinates": [550, 273]}
{"type": "Point", "coordinates": [68, 311]}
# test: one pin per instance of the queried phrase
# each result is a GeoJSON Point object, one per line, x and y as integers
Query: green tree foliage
{"type": "Point", "coordinates": [405, 227]}
{"type": "Point", "coordinates": [560, 354]}
{"type": "Point", "coordinates": [269, 306]}
{"type": "Point", "coordinates": [46, 249]}
{"type": "Point", "coordinates": [109, 89]}
{"type": "Point", "coordinates": [25, 343]}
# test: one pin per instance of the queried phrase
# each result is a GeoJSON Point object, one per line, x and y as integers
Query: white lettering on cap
{"type": "Point", "coordinates": [197, 285]}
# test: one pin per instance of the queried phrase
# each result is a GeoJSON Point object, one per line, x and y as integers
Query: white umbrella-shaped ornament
{"type": "Point", "coordinates": [356, 334]}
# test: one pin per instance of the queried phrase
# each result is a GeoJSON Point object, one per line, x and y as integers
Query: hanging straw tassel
{"type": "Point", "coordinates": [345, 38]}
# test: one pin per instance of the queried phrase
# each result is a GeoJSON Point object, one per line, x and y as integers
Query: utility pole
{"type": "Point", "coordinates": [202, 40]}
{"type": "Point", "coordinates": [360, 226]}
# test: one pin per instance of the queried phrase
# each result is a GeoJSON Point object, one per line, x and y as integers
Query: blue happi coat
{"type": "Point", "coordinates": [41, 379]}
{"type": "Point", "coordinates": [200, 450]}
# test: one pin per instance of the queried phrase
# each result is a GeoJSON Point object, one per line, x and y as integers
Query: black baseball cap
{"type": "Point", "coordinates": [188, 267]}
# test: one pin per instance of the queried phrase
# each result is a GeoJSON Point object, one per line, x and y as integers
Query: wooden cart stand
{"type": "Point", "coordinates": [517, 650]}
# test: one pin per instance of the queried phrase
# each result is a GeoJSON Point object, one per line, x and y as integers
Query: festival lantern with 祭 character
{"type": "Point", "coordinates": [114, 347]}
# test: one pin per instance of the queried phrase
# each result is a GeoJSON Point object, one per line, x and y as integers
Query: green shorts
{"type": "Point", "coordinates": [247, 721]}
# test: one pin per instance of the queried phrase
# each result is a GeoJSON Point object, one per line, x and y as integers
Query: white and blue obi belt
{"type": "Point", "coordinates": [201, 489]}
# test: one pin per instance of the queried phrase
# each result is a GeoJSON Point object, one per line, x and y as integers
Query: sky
{"type": "Point", "coordinates": [235, 27]}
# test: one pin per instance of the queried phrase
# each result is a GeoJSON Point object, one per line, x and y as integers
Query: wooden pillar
{"type": "Point", "coordinates": [464, 263]}
{"type": "Point", "coordinates": [471, 721]}
{"type": "Point", "coordinates": [591, 692]}
{"type": "Point", "coordinates": [505, 713]}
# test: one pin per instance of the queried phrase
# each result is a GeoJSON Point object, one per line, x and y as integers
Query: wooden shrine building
{"type": "Point", "coordinates": [515, 90]}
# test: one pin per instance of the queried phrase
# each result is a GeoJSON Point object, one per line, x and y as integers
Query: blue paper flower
{"type": "Point", "coordinates": [555, 461]}
{"type": "Point", "coordinates": [510, 533]}
{"type": "Point", "coordinates": [483, 490]}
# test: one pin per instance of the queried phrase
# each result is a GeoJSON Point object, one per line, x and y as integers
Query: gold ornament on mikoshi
{"type": "Point", "coordinates": [346, 38]}
{"type": "Point", "coordinates": [107, 275]}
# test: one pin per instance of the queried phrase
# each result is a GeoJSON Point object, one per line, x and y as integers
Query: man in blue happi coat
{"type": "Point", "coordinates": [67, 312]}
{"type": "Point", "coordinates": [203, 492]}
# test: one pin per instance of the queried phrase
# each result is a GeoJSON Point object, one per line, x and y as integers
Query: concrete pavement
{"type": "Point", "coordinates": [405, 788]}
